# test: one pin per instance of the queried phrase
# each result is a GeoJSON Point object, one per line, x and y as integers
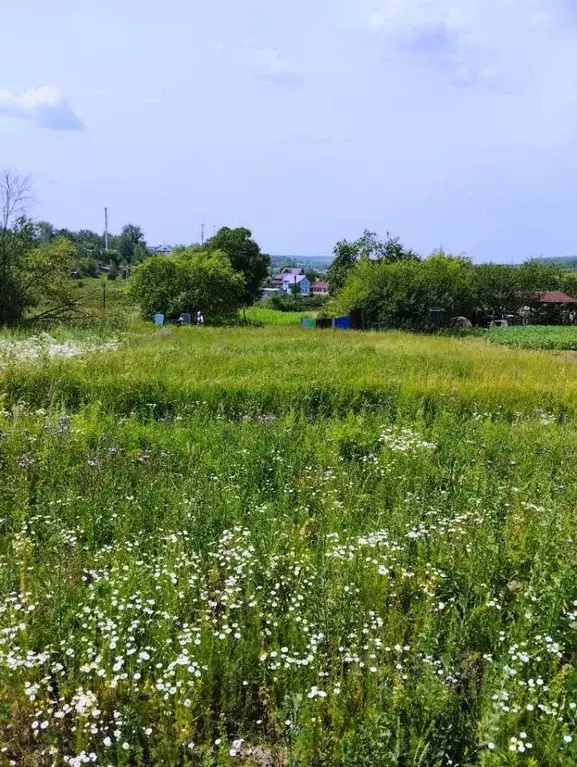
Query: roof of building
{"type": "Point", "coordinates": [292, 270]}
{"type": "Point", "coordinates": [321, 285]}
{"type": "Point", "coordinates": [159, 249]}
{"type": "Point", "coordinates": [553, 297]}
{"type": "Point", "coordinates": [294, 278]}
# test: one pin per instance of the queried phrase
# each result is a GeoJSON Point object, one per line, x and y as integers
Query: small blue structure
{"type": "Point", "coordinates": [159, 319]}
{"type": "Point", "coordinates": [342, 323]}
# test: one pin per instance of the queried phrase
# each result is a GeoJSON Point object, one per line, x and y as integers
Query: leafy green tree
{"type": "Point", "coordinates": [568, 282]}
{"type": "Point", "coordinates": [33, 275]}
{"type": "Point", "coordinates": [32, 272]}
{"type": "Point", "coordinates": [131, 237]}
{"type": "Point", "coordinates": [295, 289]}
{"type": "Point", "coordinates": [311, 275]}
{"type": "Point", "coordinates": [45, 231]}
{"type": "Point", "coordinates": [47, 271]}
{"type": "Point", "coordinates": [389, 250]}
{"type": "Point", "coordinates": [156, 285]}
{"type": "Point", "coordinates": [536, 275]}
{"type": "Point", "coordinates": [346, 256]}
{"type": "Point", "coordinates": [192, 281]}
{"type": "Point", "coordinates": [88, 267]}
{"type": "Point", "coordinates": [139, 254]}
{"type": "Point", "coordinates": [89, 244]}
{"type": "Point", "coordinates": [369, 247]}
{"type": "Point", "coordinates": [16, 242]}
{"type": "Point", "coordinates": [498, 290]}
{"type": "Point", "coordinates": [245, 256]}
{"type": "Point", "coordinates": [399, 293]}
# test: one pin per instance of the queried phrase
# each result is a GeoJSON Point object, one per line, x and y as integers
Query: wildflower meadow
{"type": "Point", "coordinates": [272, 546]}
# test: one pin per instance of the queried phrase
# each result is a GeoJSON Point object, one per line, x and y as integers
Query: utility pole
{"type": "Point", "coordinates": [202, 234]}
{"type": "Point", "coordinates": [106, 229]}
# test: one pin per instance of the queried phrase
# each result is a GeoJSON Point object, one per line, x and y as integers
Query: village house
{"type": "Point", "coordinates": [160, 250]}
{"type": "Point", "coordinates": [278, 280]}
{"type": "Point", "coordinates": [550, 307]}
{"type": "Point", "coordinates": [298, 284]}
{"type": "Point", "coordinates": [320, 288]}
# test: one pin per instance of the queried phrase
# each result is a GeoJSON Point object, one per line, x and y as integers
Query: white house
{"type": "Point", "coordinates": [277, 280]}
{"type": "Point", "coordinates": [300, 280]}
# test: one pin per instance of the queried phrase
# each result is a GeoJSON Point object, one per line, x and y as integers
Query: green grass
{"type": "Point", "coordinates": [266, 316]}
{"type": "Point", "coordinates": [536, 337]}
{"type": "Point", "coordinates": [285, 547]}
{"type": "Point", "coordinates": [279, 369]}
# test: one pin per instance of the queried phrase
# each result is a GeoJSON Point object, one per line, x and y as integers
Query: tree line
{"type": "Point", "coordinates": [391, 285]}
{"type": "Point", "coordinates": [37, 262]}
{"type": "Point", "coordinates": [124, 249]}
{"type": "Point", "coordinates": [394, 287]}
{"type": "Point", "coordinates": [215, 278]}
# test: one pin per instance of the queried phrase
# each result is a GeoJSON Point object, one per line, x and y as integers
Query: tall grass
{"type": "Point", "coordinates": [202, 582]}
{"type": "Point", "coordinates": [265, 316]}
{"type": "Point", "coordinates": [282, 369]}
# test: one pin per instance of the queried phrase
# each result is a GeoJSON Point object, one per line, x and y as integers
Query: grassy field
{"type": "Point", "coordinates": [283, 547]}
{"type": "Point", "coordinates": [536, 337]}
{"type": "Point", "coordinates": [279, 369]}
{"type": "Point", "coordinates": [266, 316]}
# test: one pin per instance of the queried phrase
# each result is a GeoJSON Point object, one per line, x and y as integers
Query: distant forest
{"type": "Point", "coordinates": [564, 262]}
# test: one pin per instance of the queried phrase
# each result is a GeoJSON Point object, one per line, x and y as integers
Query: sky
{"type": "Point", "coordinates": [449, 123]}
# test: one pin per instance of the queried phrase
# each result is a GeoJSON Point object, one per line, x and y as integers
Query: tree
{"type": "Point", "coordinates": [535, 275]}
{"type": "Point", "coordinates": [498, 290]}
{"type": "Point", "coordinates": [89, 244]}
{"type": "Point", "coordinates": [369, 247]}
{"type": "Point", "coordinates": [33, 272]}
{"type": "Point", "coordinates": [47, 271]}
{"type": "Point", "coordinates": [345, 259]}
{"type": "Point", "coordinates": [34, 275]}
{"type": "Point", "coordinates": [16, 240]}
{"type": "Point", "coordinates": [45, 231]}
{"type": "Point", "coordinates": [311, 275]}
{"type": "Point", "coordinates": [192, 281]}
{"type": "Point", "coordinates": [139, 253]}
{"type": "Point", "coordinates": [131, 237]}
{"type": "Point", "coordinates": [399, 293]}
{"type": "Point", "coordinates": [15, 196]}
{"type": "Point", "coordinates": [245, 256]}
{"type": "Point", "coordinates": [295, 288]}
{"type": "Point", "coordinates": [156, 285]}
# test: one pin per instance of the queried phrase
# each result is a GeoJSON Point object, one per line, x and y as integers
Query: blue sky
{"type": "Point", "coordinates": [448, 122]}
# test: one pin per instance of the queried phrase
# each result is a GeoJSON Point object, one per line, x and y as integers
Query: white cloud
{"type": "Point", "coordinates": [494, 40]}
{"type": "Point", "coordinates": [522, 51]}
{"type": "Point", "coordinates": [263, 62]}
{"type": "Point", "coordinates": [46, 107]}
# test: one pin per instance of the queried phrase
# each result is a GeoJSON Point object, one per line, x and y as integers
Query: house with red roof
{"type": "Point", "coordinates": [550, 307]}
{"type": "Point", "coordinates": [320, 288]}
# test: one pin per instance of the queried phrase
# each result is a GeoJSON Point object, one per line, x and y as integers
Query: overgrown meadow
{"type": "Point", "coordinates": [286, 547]}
